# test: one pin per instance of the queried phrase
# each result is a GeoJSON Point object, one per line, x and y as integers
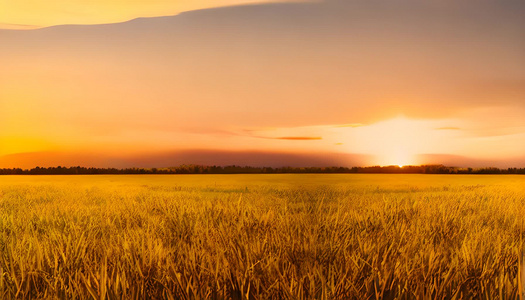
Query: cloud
{"type": "Point", "coordinates": [291, 138]}
{"type": "Point", "coordinates": [224, 158]}
{"type": "Point", "coordinates": [208, 131]}
{"type": "Point", "coordinates": [498, 132]}
{"type": "Point", "coordinates": [176, 158]}
{"type": "Point", "coordinates": [287, 133]}
{"type": "Point", "coordinates": [364, 60]}
{"type": "Point", "coordinates": [17, 26]}
{"type": "Point", "coordinates": [299, 138]}
{"type": "Point", "coordinates": [462, 161]}
{"type": "Point", "coordinates": [448, 128]}
{"type": "Point", "coordinates": [356, 125]}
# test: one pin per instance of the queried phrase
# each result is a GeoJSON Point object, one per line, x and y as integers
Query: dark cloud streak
{"type": "Point", "coordinates": [176, 158]}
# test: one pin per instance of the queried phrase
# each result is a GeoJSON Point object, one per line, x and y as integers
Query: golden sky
{"type": "Point", "coordinates": [26, 14]}
{"type": "Point", "coordinates": [337, 81]}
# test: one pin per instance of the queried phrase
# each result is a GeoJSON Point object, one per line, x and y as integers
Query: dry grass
{"type": "Point", "coordinates": [262, 237]}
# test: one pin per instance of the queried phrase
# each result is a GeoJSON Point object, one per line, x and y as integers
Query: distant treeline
{"type": "Point", "coordinates": [197, 169]}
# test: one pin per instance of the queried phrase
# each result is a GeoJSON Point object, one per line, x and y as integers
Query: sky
{"type": "Point", "coordinates": [30, 14]}
{"type": "Point", "coordinates": [335, 82]}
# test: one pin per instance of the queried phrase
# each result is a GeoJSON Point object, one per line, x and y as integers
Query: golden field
{"type": "Point", "coordinates": [262, 236]}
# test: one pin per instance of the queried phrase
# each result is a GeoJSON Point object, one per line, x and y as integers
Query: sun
{"type": "Point", "coordinates": [394, 142]}
{"type": "Point", "coordinates": [398, 142]}
{"type": "Point", "coordinates": [397, 155]}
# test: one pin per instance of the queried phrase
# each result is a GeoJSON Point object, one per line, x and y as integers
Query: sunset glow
{"type": "Point", "coordinates": [30, 14]}
{"type": "Point", "coordinates": [398, 141]}
{"type": "Point", "coordinates": [301, 83]}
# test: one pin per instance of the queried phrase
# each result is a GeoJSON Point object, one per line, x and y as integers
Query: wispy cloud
{"type": "Point", "coordinates": [290, 134]}
{"type": "Point", "coordinates": [299, 138]}
{"type": "Point", "coordinates": [448, 128]}
{"type": "Point", "coordinates": [291, 138]}
{"type": "Point", "coordinates": [355, 125]}
{"type": "Point", "coordinates": [209, 131]}
{"type": "Point", "coordinates": [17, 26]}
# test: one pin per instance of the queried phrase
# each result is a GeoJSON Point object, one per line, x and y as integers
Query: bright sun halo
{"type": "Point", "coordinates": [394, 142]}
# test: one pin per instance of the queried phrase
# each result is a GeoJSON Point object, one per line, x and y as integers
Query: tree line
{"type": "Point", "coordinates": [199, 169]}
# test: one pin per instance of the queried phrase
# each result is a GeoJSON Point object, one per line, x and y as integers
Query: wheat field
{"type": "Point", "coordinates": [262, 237]}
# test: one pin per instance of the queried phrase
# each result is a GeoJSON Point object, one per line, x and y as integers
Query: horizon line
{"type": "Point", "coordinates": [264, 167]}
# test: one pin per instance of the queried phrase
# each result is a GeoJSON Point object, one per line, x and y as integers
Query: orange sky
{"type": "Point", "coordinates": [28, 14]}
{"type": "Point", "coordinates": [384, 82]}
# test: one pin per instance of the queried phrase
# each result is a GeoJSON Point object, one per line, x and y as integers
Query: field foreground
{"type": "Point", "coordinates": [262, 236]}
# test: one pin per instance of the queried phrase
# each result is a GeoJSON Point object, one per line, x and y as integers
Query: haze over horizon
{"type": "Point", "coordinates": [339, 82]}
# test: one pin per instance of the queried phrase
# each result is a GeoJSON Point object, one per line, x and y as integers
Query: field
{"type": "Point", "coordinates": [262, 237]}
